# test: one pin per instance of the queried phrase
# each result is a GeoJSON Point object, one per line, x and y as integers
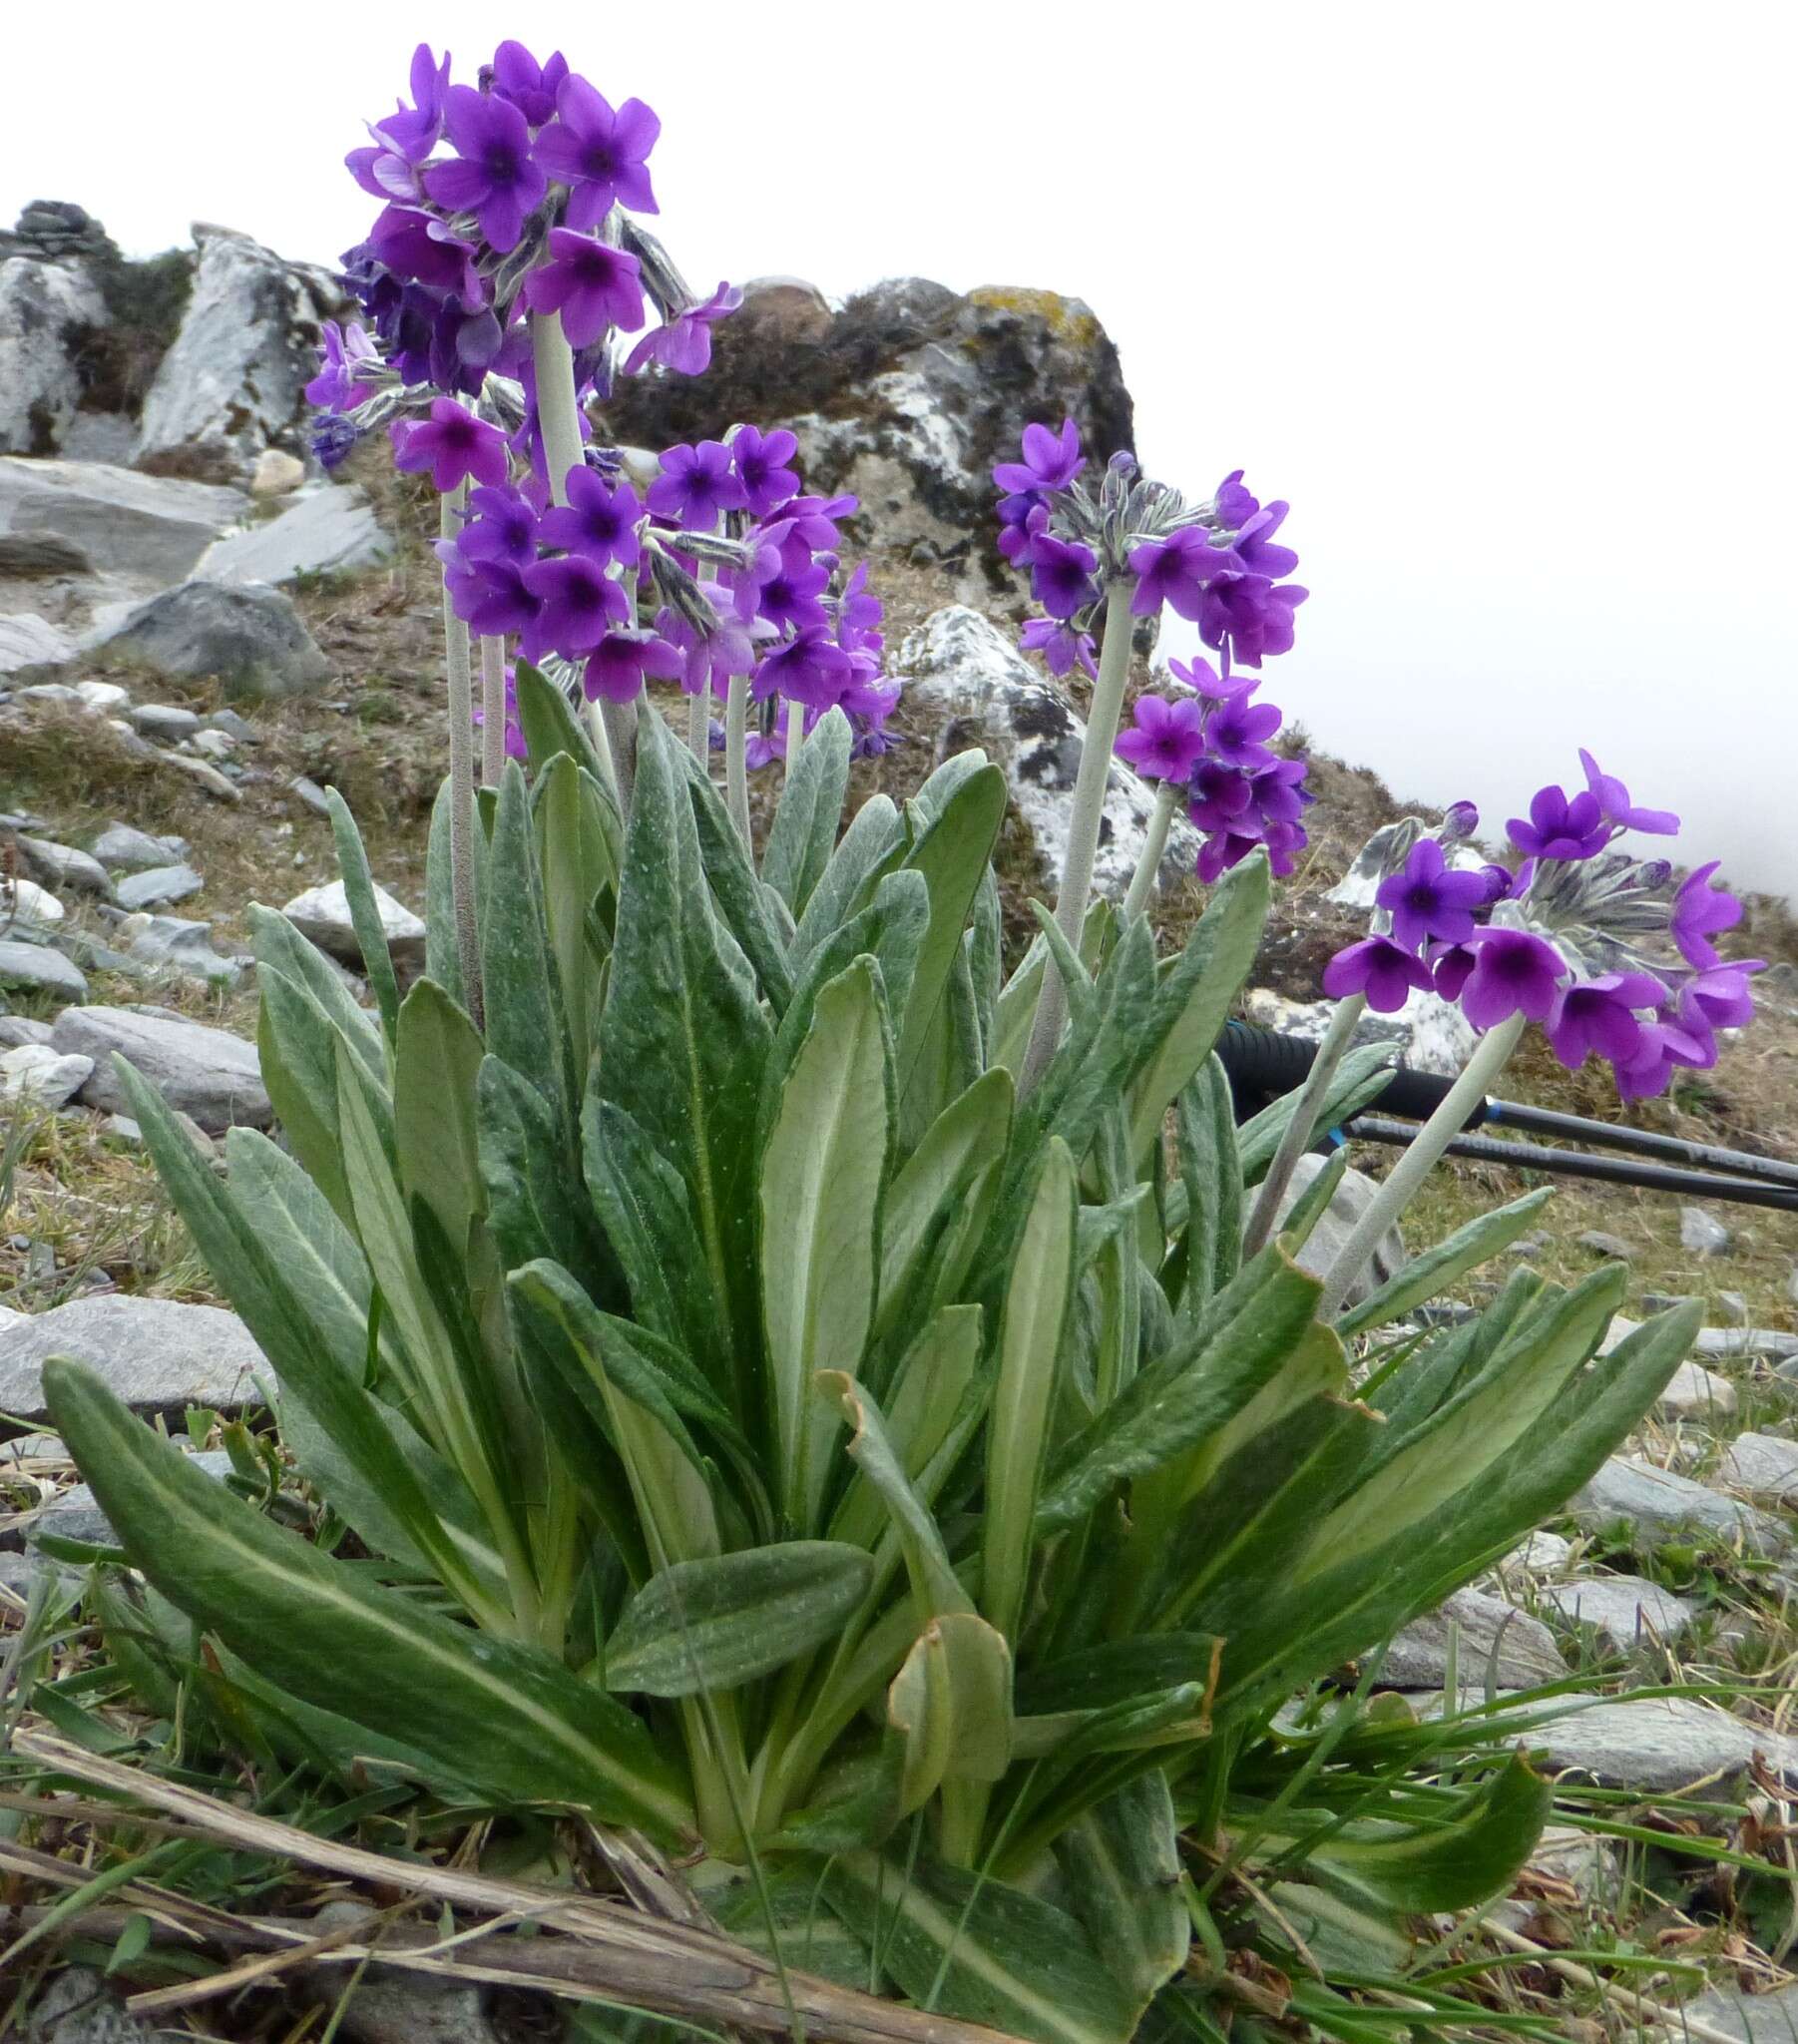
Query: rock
{"type": "Point", "coordinates": [1622, 1609]}
{"type": "Point", "coordinates": [322, 915]}
{"type": "Point", "coordinates": [40, 969]}
{"type": "Point", "coordinates": [26, 640]}
{"type": "Point", "coordinates": [312, 794]}
{"type": "Point", "coordinates": [165, 722]}
{"type": "Point", "coordinates": [208, 1073]}
{"type": "Point", "coordinates": [1540, 1553]}
{"type": "Point", "coordinates": [120, 1128]}
{"type": "Point", "coordinates": [1702, 1234]}
{"type": "Point", "coordinates": [1382, 855]}
{"type": "Point", "coordinates": [214, 745]}
{"type": "Point", "coordinates": [1770, 1344]}
{"type": "Point", "coordinates": [61, 865]}
{"type": "Point", "coordinates": [175, 945]}
{"type": "Point", "coordinates": [47, 310]}
{"type": "Point", "coordinates": [78, 2007]}
{"type": "Point", "coordinates": [1336, 1223]}
{"type": "Point", "coordinates": [157, 1355]}
{"type": "Point", "coordinates": [45, 1077]}
{"type": "Point", "coordinates": [120, 848]}
{"type": "Point", "coordinates": [1659, 1507]}
{"type": "Point", "coordinates": [158, 886]}
{"type": "Point", "coordinates": [232, 383]}
{"type": "Point", "coordinates": [146, 531]}
{"type": "Point", "coordinates": [1494, 1641]}
{"type": "Point", "coordinates": [276, 474]}
{"type": "Point", "coordinates": [1694, 1392]}
{"type": "Point", "coordinates": [1613, 1247]}
{"type": "Point", "coordinates": [18, 1029]}
{"type": "Point", "coordinates": [25, 902]}
{"type": "Point", "coordinates": [1653, 1745]}
{"type": "Point", "coordinates": [394, 2005]}
{"type": "Point", "coordinates": [234, 727]}
{"type": "Point", "coordinates": [1429, 1033]}
{"type": "Point", "coordinates": [1753, 2019]}
{"type": "Point", "coordinates": [329, 529]}
{"type": "Point", "coordinates": [207, 775]}
{"type": "Point", "coordinates": [25, 556]}
{"type": "Point", "coordinates": [970, 682]}
{"type": "Point", "coordinates": [1762, 1463]}
{"type": "Point", "coordinates": [75, 1514]}
{"type": "Point", "coordinates": [1733, 1306]}
{"type": "Point", "coordinates": [101, 697]}
{"type": "Point", "coordinates": [250, 637]}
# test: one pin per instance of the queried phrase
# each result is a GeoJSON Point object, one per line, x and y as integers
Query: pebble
{"type": "Point", "coordinates": [1602, 1245]}
{"type": "Point", "coordinates": [157, 1354]}
{"type": "Point", "coordinates": [39, 967]}
{"type": "Point", "coordinates": [18, 1029]}
{"type": "Point", "coordinates": [122, 1129]}
{"type": "Point", "coordinates": [1658, 1507]}
{"type": "Point", "coordinates": [165, 721]}
{"type": "Point", "coordinates": [120, 848]}
{"type": "Point", "coordinates": [101, 697]}
{"type": "Point", "coordinates": [158, 886]}
{"type": "Point", "coordinates": [1620, 1609]}
{"type": "Point", "coordinates": [1749, 2018]}
{"type": "Point", "coordinates": [208, 1073]}
{"type": "Point", "coordinates": [207, 775]}
{"type": "Point", "coordinates": [1702, 1234]}
{"type": "Point", "coordinates": [1771, 1343]}
{"type": "Point", "coordinates": [1733, 1307]}
{"type": "Point", "coordinates": [312, 794]}
{"type": "Point", "coordinates": [214, 745]}
{"type": "Point", "coordinates": [234, 725]}
{"type": "Point", "coordinates": [1492, 1638]}
{"type": "Point", "coordinates": [1694, 1392]}
{"type": "Point", "coordinates": [1541, 1554]}
{"type": "Point", "coordinates": [61, 865]}
{"type": "Point", "coordinates": [173, 945]}
{"type": "Point", "coordinates": [46, 1077]}
{"type": "Point", "coordinates": [23, 900]}
{"type": "Point", "coordinates": [322, 915]}
{"type": "Point", "coordinates": [1762, 1463]}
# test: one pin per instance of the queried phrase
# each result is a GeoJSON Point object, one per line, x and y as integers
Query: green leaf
{"type": "Point", "coordinates": [1120, 1671]}
{"type": "Point", "coordinates": [1210, 1170]}
{"type": "Point", "coordinates": [1121, 1863]}
{"type": "Point", "coordinates": [364, 914]}
{"type": "Point", "coordinates": [1015, 1013]}
{"type": "Point", "coordinates": [280, 947]}
{"type": "Point", "coordinates": [578, 838]}
{"type": "Point", "coordinates": [436, 1070]}
{"type": "Point", "coordinates": [972, 1947]}
{"type": "Point", "coordinates": [525, 1027]}
{"type": "Point", "coordinates": [1030, 1351]}
{"type": "Point", "coordinates": [967, 1138]}
{"type": "Point", "coordinates": [1308, 1209]}
{"type": "Point", "coordinates": [548, 724]}
{"type": "Point", "coordinates": [935, 1585]}
{"type": "Point", "coordinates": [822, 1172]}
{"type": "Point", "coordinates": [848, 880]}
{"type": "Point", "coordinates": [510, 1720]}
{"type": "Point", "coordinates": [1361, 1078]}
{"type": "Point", "coordinates": [811, 807]}
{"type": "Point", "coordinates": [950, 1707]}
{"type": "Point", "coordinates": [532, 1172]}
{"type": "Point", "coordinates": [756, 915]}
{"type": "Point", "coordinates": [718, 1623]}
{"type": "Point", "coordinates": [442, 953]}
{"type": "Point", "coordinates": [1431, 1270]}
{"type": "Point", "coordinates": [1193, 1000]}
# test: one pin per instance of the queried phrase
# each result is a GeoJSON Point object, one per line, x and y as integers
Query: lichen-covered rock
{"type": "Point", "coordinates": [1334, 1225]}
{"type": "Point", "coordinates": [46, 311]}
{"type": "Point", "coordinates": [232, 383]}
{"type": "Point", "coordinates": [1377, 857]}
{"type": "Point", "coordinates": [1429, 1033]}
{"type": "Point", "coordinates": [971, 685]}
{"type": "Point", "coordinates": [143, 531]}
{"type": "Point", "coordinates": [250, 637]}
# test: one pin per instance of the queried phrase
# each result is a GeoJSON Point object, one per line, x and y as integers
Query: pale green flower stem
{"type": "Point", "coordinates": [1160, 821]}
{"type": "Point", "coordinates": [737, 770]}
{"type": "Point", "coordinates": [462, 771]}
{"type": "Point", "coordinates": [1300, 1129]}
{"type": "Point", "coordinates": [796, 738]}
{"type": "Point", "coordinates": [698, 723]}
{"type": "Point", "coordinates": [1415, 1161]}
{"type": "Point", "coordinates": [493, 710]}
{"type": "Point", "coordinates": [1083, 828]}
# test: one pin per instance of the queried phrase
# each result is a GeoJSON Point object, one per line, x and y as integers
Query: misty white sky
{"type": "Point", "coordinates": [1499, 296]}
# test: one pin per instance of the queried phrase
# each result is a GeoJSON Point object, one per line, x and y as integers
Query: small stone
{"type": "Point", "coordinates": [234, 725]}
{"type": "Point", "coordinates": [1733, 1307]}
{"type": "Point", "coordinates": [328, 529]}
{"type": "Point", "coordinates": [38, 967]}
{"type": "Point", "coordinates": [1655, 1745]}
{"type": "Point", "coordinates": [1702, 1234]}
{"type": "Point", "coordinates": [1770, 1344]}
{"type": "Point", "coordinates": [214, 745]}
{"type": "Point", "coordinates": [1494, 1638]}
{"type": "Point", "coordinates": [27, 555]}
{"type": "Point", "coordinates": [120, 1128]}
{"type": "Point", "coordinates": [120, 848]}
{"type": "Point", "coordinates": [25, 902]}
{"type": "Point", "coordinates": [173, 945]}
{"type": "Point", "coordinates": [207, 775]}
{"type": "Point", "coordinates": [156, 1354]}
{"type": "Point", "coordinates": [1659, 1507]}
{"type": "Point", "coordinates": [75, 1514]}
{"type": "Point", "coordinates": [158, 886]}
{"type": "Point", "coordinates": [45, 1077]}
{"type": "Point", "coordinates": [1694, 1392]}
{"type": "Point", "coordinates": [78, 2006]}
{"type": "Point", "coordinates": [164, 722]}
{"type": "Point", "coordinates": [321, 914]}
{"type": "Point", "coordinates": [1613, 1247]}
{"type": "Point", "coordinates": [101, 697]}
{"type": "Point", "coordinates": [1665, 1302]}
{"type": "Point", "coordinates": [277, 473]}
{"type": "Point", "coordinates": [312, 794]}
{"type": "Point", "coordinates": [1541, 1554]}
{"type": "Point", "coordinates": [54, 694]}
{"type": "Point", "coordinates": [1622, 1609]}
{"type": "Point", "coordinates": [18, 1029]}
{"type": "Point", "coordinates": [1749, 2018]}
{"type": "Point", "coordinates": [208, 1073]}
{"type": "Point", "coordinates": [1762, 1463]}
{"type": "Point", "coordinates": [62, 866]}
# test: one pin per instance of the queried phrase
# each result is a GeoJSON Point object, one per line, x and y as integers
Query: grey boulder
{"type": "Point", "coordinates": [1762, 1463]}
{"type": "Point", "coordinates": [322, 915]}
{"type": "Point", "coordinates": [40, 969]}
{"type": "Point", "coordinates": [250, 637]}
{"type": "Point", "coordinates": [120, 850]}
{"type": "Point", "coordinates": [146, 530]}
{"type": "Point", "coordinates": [46, 311]}
{"type": "Point", "coordinates": [26, 640]}
{"type": "Point", "coordinates": [61, 866]}
{"type": "Point", "coordinates": [330, 529]}
{"type": "Point", "coordinates": [1491, 1638]}
{"type": "Point", "coordinates": [1620, 1609]}
{"type": "Point", "coordinates": [207, 1073]}
{"type": "Point", "coordinates": [158, 886]}
{"type": "Point", "coordinates": [157, 1355]}
{"type": "Point", "coordinates": [1658, 1506]}
{"type": "Point", "coordinates": [170, 943]}
{"type": "Point", "coordinates": [1703, 1233]}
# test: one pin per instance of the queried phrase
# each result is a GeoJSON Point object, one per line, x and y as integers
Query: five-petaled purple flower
{"type": "Point", "coordinates": [1384, 972]}
{"type": "Point", "coordinates": [1060, 575]}
{"type": "Point", "coordinates": [492, 175]}
{"type": "Point", "coordinates": [452, 443]}
{"type": "Point", "coordinates": [599, 520]}
{"type": "Point", "coordinates": [1558, 827]}
{"type": "Point", "coordinates": [1051, 460]}
{"type": "Point", "coordinates": [1599, 1015]}
{"type": "Point", "coordinates": [529, 86]}
{"type": "Point", "coordinates": [760, 460]}
{"type": "Point", "coordinates": [684, 344]}
{"type": "Point", "coordinates": [1515, 972]}
{"type": "Point", "coordinates": [1699, 911]}
{"type": "Point", "coordinates": [1177, 571]}
{"type": "Point", "coordinates": [591, 285]}
{"type": "Point", "coordinates": [598, 153]}
{"type": "Point", "coordinates": [1167, 740]}
{"type": "Point", "coordinates": [695, 484]}
{"type": "Point", "coordinates": [621, 662]}
{"type": "Point", "coordinates": [1062, 647]}
{"type": "Point", "coordinates": [581, 603]}
{"type": "Point", "coordinates": [1428, 901]}
{"type": "Point", "coordinates": [1615, 807]}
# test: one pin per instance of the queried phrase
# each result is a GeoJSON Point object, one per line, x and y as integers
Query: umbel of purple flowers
{"type": "Point", "coordinates": [1218, 565]}
{"type": "Point", "coordinates": [1601, 948]}
{"type": "Point", "coordinates": [715, 566]}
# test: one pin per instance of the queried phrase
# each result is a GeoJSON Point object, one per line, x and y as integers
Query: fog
{"type": "Point", "coordinates": [1497, 296]}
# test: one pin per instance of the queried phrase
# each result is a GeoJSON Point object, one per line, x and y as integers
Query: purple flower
{"type": "Point", "coordinates": [1254, 544]}
{"type": "Point", "coordinates": [1378, 968]}
{"type": "Point", "coordinates": [1060, 575]}
{"type": "Point", "coordinates": [695, 484]}
{"type": "Point", "coordinates": [1559, 828]}
{"type": "Point", "coordinates": [1166, 739]}
{"type": "Point", "coordinates": [1059, 645]}
{"type": "Point", "coordinates": [859, 613]}
{"type": "Point", "coordinates": [1278, 790]}
{"type": "Point", "coordinates": [621, 660]}
{"type": "Point", "coordinates": [502, 527]}
{"type": "Point", "coordinates": [1021, 518]}
{"type": "Point", "coordinates": [1719, 998]}
{"type": "Point", "coordinates": [406, 138]}
{"type": "Point", "coordinates": [1459, 821]}
{"type": "Point", "coordinates": [591, 285]}
{"type": "Point", "coordinates": [1225, 849]}
{"type": "Point", "coordinates": [1664, 1048]}
{"type": "Point", "coordinates": [489, 596]}
{"type": "Point", "coordinates": [1178, 571]}
{"type": "Point", "coordinates": [1200, 673]}
{"type": "Point", "coordinates": [1234, 505]}
{"type": "Point", "coordinates": [760, 462]}
{"type": "Point", "coordinates": [516, 747]}
{"type": "Point", "coordinates": [1236, 729]}
{"type": "Point", "coordinates": [1051, 460]}
{"type": "Point", "coordinates": [764, 747]}
{"type": "Point", "coordinates": [1282, 843]}
{"type": "Point", "coordinates": [1249, 614]}
{"type": "Point", "coordinates": [1220, 795]}
{"type": "Point", "coordinates": [1450, 965]}
{"type": "Point", "coordinates": [599, 154]}
{"type": "Point", "coordinates": [1615, 807]}
{"type": "Point", "coordinates": [1513, 973]}
{"type": "Point", "coordinates": [452, 443]}
{"type": "Point", "coordinates": [1599, 1015]}
{"type": "Point", "coordinates": [599, 520]}
{"type": "Point", "coordinates": [810, 669]}
{"type": "Point", "coordinates": [581, 603]}
{"type": "Point", "coordinates": [710, 657]}
{"type": "Point", "coordinates": [789, 597]}
{"type": "Point", "coordinates": [341, 349]}
{"type": "Point", "coordinates": [416, 245]}
{"type": "Point", "coordinates": [1699, 911]}
{"type": "Point", "coordinates": [1428, 901]}
{"type": "Point", "coordinates": [492, 175]}
{"type": "Point", "coordinates": [684, 344]}
{"type": "Point", "coordinates": [529, 86]}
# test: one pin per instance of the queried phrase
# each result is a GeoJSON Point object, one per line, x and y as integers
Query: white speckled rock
{"type": "Point", "coordinates": [327, 529]}
{"type": "Point", "coordinates": [25, 902]}
{"type": "Point", "coordinates": [322, 915]}
{"type": "Point", "coordinates": [45, 308]}
{"type": "Point", "coordinates": [41, 1076]}
{"type": "Point", "coordinates": [156, 1354]}
{"type": "Point", "coordinates": [1623, 1609]}
{"type": "Point", "coordinates": [1762, 1463]}
{"type": "Point", "coordinates": [1429, 1033]}
{"type": "Point", "coordinates": [968, 678]}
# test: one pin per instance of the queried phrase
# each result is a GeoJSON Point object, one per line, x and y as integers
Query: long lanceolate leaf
{"type": "Point", "coordinates": [1433, 1271]}
{"type": "Point", "coordinates": [811, 801]}
{"type": "Point", "coordinates": [508, 1720]}
{"type": "Point", "coordinates": [365, 911]}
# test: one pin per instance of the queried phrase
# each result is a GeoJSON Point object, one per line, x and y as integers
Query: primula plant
{"type": "Point", "coordinates": [761, 1377]}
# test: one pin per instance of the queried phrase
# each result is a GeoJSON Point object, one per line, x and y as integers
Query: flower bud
{"type": "Point", "coordinates": [1459, 821]}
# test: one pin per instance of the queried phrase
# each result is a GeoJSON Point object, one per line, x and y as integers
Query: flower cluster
{"type": "Point", "coordinates": [1598, 947]}
{"type": "Point", "coordinates": [1218, 564]}
{"type": "Point", "coordinates": [1241, 794]}
{"type": "Point", "coordinates": [514, 194]}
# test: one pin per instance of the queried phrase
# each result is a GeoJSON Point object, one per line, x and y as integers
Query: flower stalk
{"type": "Point", "coordinates": [1302, 1127]}
{"type": "Point", "coordinates": [1414, 1166]}
{"type": "Point", "coordinates": [462, 771]}
{"type": "Point", "coordinates": [1082, 829]}
{"type": "Point", "coordinates": [1154, 847]}
{"type": "Point", "coordinates": [493, 710]}
{"type": "Point", "coordinates": [737, 769]}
